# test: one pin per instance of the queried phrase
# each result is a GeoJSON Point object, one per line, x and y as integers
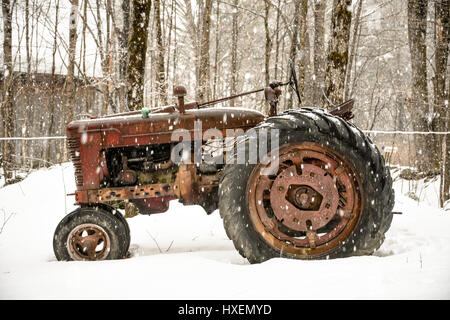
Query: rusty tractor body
{"type": "Point", "coordinates": [128, 157]}
{"type": "Point", "coordinates": [313, 205]}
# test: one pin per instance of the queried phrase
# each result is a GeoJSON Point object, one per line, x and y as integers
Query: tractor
{"type": "Point", "coordinates": [302, 184]}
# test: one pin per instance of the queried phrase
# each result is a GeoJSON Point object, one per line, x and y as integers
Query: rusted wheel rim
{"type": "Point", "coordinates": [88, 242]}
{"type": "Point", "coordinates": [310, 205]}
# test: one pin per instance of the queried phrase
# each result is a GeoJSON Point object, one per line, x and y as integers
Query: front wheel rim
{"type": "Point", "coordinates": [88, 242]}
{"type": "Point", "coordinates": [310, 206]}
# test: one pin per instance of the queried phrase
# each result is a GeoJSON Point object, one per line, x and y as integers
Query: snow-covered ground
{"type": "Point", "coordinates": [195, 259]}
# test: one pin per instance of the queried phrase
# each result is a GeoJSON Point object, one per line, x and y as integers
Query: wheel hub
{"type": "Point", "coordinates": [297, 198]}
{"type": "Point", "coordinates": [88, 242]}
{"type": "Point", "coordinates": [304, 197]}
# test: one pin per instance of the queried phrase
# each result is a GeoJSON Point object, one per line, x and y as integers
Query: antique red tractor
{"type": "Point", "coordinates": [303, 184]}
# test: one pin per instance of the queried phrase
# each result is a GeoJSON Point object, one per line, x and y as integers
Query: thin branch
{"type": "Point", "coordinates": [242, 8]}
{"type": "Point", "coordinates": [156, 242]}
{"type": "Point", "coordinates": [5, 219]}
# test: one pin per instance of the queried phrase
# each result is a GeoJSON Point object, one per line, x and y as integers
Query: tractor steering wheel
{"type": "Point", "coordinates": [293, 81]}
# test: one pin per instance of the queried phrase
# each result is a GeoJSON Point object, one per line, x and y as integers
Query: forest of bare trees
{"type": "Point", "coordinates": [68, 59]}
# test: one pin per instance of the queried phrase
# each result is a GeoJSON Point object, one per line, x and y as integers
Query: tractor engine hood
{"type": "Point", "coordinates": [130, 130]}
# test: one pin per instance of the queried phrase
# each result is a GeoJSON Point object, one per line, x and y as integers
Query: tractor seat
{"type": "Point", "coordinates": [344, 110]}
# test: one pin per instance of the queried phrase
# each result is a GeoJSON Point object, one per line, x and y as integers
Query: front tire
{"type": "Point", "coordinates": [90, 234]}
{"type": "Point", "coordinates": [330, 197]}
{"type": "Point", "coordinates": [117, 214]}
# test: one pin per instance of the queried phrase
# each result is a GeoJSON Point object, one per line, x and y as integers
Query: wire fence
{"type": "Point", "coordinates": [35, 152]}
{"type": "Point", "coordinates": [365, 131]}
{"type": "Point", "coordinates": [31, 138]}
{"type": "Point", "coordinates": [407, 132]}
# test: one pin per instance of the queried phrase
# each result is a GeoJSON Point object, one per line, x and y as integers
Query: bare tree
{"type": "Point", "coordinates": [419, 108]}
{"type": "Point", "coordinates": [70, 78]}
{"type": "Point", "coordinates": [175, 52]}
{"type": "Point", "coordinates": [204, 70]}
{"type": "Point", "coordinates": [234, 51]}
{"type": "Point", "coordinates": [217, 49]}
{"type": "Point", "coordinates": [441, 121]}
{"type": "Point", "coordinates": [193, 31]}
{"type": "Point", "coordinates": [160, 70]}
{"type": "Point", "coordinates": [7, 108]}
{"type": "Point", "coordinates": [352, 49]}
{"type": "Point", "coordinates": [337, 54]}
{"type": "Point", "coordinates": [137, 48]}
{"type": "Point", "coordinates": [277, 38]}
{"type": "Point", "coordinates": [123, 35]}
{"type": "Point", "coordinates": [294, 43]}
{"type": "Point", "coordinates": [171, 19]}
{"type": "Point", "coordinates": [26, 130]}
{"type": "Point", "coordinates": [52, 106]}
{"type": "Point", "coordinates": [268, 42]}
{"type": "Point", "coordinates": [319, 50]}
{"type": "Point", "coordinates": [104, 48]}
{"type": "Point", "coordinates": [304, 47]}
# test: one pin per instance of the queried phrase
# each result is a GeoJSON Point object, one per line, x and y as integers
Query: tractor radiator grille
{"type": "Point", "coordinates": [73, 145]}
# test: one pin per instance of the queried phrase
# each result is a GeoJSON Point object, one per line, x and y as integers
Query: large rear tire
{"type": "Point", "coordinates": [331, 195]}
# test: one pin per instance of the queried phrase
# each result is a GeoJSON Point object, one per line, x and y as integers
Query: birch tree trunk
{"type": "Point", "coordinates": [175, 51]}
{"type": "Point", "coordinates": [204, 70]}
{"type": "Point", "coordinates": [53, 83]}
{"type": "Point", "coordinates": [7, 107]}
{"type": "Point", "coordinates": [105, 57]}
{"type": "Point", "coordinates": [160, 70]}
{"type": "Point", "coordinates": [70, 78]}
{"type": "Point", "coordinates": [268, 42]}
{"type": "Point", "coordinates": [137, 48]}
{"type": "Point", "coordinates": [304, 48]}
{"type": "Point", "coordinates": [444, 191]}
{"type": "Point", "coordinates": [337, 55]}
{"type": "Point", "coordinates": [82, 55]}
{"type": "Point", "coordinates": [277, 39]}
{"type": "Point", "coordinates": [441, 93]}
{"type": "Point", "coordinates": [294, 46]}
{"type": "Point", "coordinates": [234, 43]}
{"type": "Point", "coordinates": [216, 53]}
{"type": "Point", "coordinates": [26, 126]}
{"type": "Point", "coordinates": [171, 19]}
{"type": "Point", "coordinates": [123, 52]}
